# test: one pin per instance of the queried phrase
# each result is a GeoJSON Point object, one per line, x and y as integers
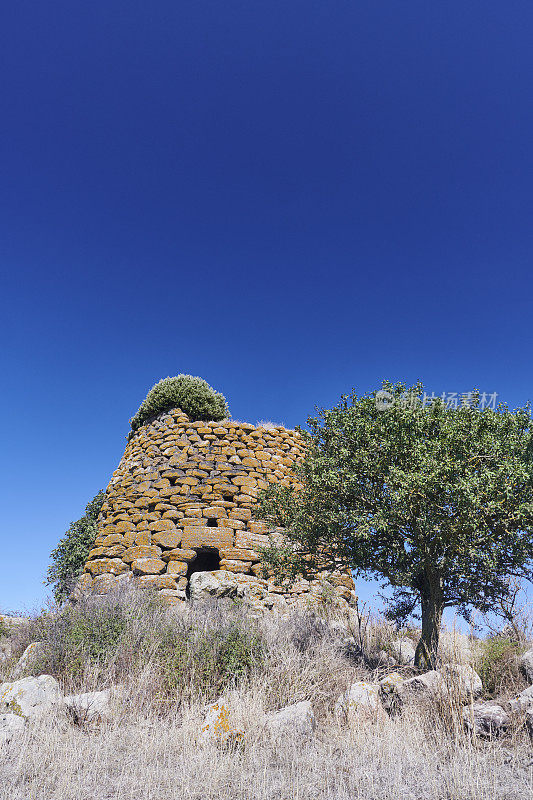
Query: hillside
{"type": "Point", "coordinates": [193, 700]}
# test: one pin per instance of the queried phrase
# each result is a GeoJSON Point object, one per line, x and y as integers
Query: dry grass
{"type": "Point", "coordinates": [146, 757]}
{"type": "Point", "coordinates": [152, 749]}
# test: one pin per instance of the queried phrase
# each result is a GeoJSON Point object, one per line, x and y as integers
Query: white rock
{"type": "Point", "coordinates": [430, 684]}
{"type": "Point", "coordinates": [218, 583]}
{"type": "Point", "coordinates": [526, 665]}
{"type": "Point", "coordinates": [360, 700]}
{"type": "Point", "coordinates": [389, 691]}
{"type": "Point", "coordinates": [297, 721]}
{"type": "Point", "coordinates": [31, 697]}
{"type": "Point", "coordinates": [462, 679]}
{"type": "Point", "coordinates": [485, 719]}
{"type": "Point", "coordinates": [404, 651]}
{"type": "Point", "coordinates": [523, 702]}
{"type": "Point", "coordinates": [218, 725]}
{"type": "Point", "coordinates": [11, 726]}
{"type": "Point", "coordinates": [30, 655]}
{"type": "Point", "coordinates": [90, 706]}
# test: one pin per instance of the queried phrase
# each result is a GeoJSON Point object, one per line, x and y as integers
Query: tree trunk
{"type": "Point", "coordinates": [432, 607]}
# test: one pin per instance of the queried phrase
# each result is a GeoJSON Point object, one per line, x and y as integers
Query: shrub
{"type": "Point", "coordinates": [70, 555]}
{"type": "Point", "coordinates": [4, 628]}
{"type": "Point", "coordinates": [208, 659]}
{"type": "Point", "coordinates": [497, 665]}
{"type": "Point", "coordinates": [116, 637]}
{"type": "Point", "coordinates": [192, 395]}
{"type": "Point", "coordinates": [306, 631]}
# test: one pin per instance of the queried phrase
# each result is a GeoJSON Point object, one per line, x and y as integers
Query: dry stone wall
{"type": "Point", "coordinates": [181, 502]}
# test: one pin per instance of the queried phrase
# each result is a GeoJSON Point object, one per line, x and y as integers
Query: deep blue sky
{"type": "Point", "coordinates": [286, 198]}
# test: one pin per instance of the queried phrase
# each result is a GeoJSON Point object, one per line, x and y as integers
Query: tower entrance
{"type": "Point", "coordinates": [207, 560]}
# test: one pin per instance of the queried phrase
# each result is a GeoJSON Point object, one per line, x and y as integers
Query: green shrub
{"type": "Point", "coordinates": [116, 637]}
{"type": "Point", "coordinates": [4, 628]}
{"type": "Point", "coordinates": [497, 665]}
{"type": "Point", "coordinates": [208, 659]}
{"type": "Point", "coordinates": [192, 395]}
{"type": "Point", "coordinates": [70, 555]}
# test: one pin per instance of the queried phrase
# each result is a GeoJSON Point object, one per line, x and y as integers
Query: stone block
{"type": "Point", "coordinates": [256, 526]}
{"type": "Point", "coordinates": [141, 551]}
{"type": "Point", "coordinates": [157, 582]}
{"type": "Point", "coordinates": [90, 707]}
{"type": "Point", "coordinates": [239, 554]}
{"type": "Point", "coordinates": [244, 480]}
{"type": "Point", "coordinates": [123, 527]}
{"type": "Point", "coordinates": [161, 525]}
{"type": "Point", "coordinates": [294, 722]}
{"type": "Point", "coordinates": [103, 584]}
{"type": "Point", "coordinates": [114, 538]}
{"type": "Point", "coordinates": [177, 568]}
{"type": "Point", "coordinates": [168, 539]}
{"type": "Point", "coordinates": [235, 566]}
{"type": "Point", "coordinates": [31, 697]}
{"type": "Point", "coordinates": [214, 512]}
{"type": "Point", "coordinates": [178, 554]}
{"type": "Point", "coordinates": [249, 541]}
{"type": "Point", "coordinates": [148, 566]}
{"type": "Point", "coordinates": [206, 537]}
{"type": "Point", "coordinates": [240, 513]}
{"type": "Point", "coordinates": [100, 565]}
{"type": "Point", "coordinates": [142, 538]}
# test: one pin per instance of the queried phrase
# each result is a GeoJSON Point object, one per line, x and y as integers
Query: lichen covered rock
{"type": "Point", "coordinates": [31, 697]}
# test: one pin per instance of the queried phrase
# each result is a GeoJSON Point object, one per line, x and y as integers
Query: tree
{"type": "Point", "coordinates": [70, 555]}
{"type": "Point", "coordinates": [435, 501]}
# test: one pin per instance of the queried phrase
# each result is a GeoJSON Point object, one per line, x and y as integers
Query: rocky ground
{"type": "Point", "coordinates": [319, 713]}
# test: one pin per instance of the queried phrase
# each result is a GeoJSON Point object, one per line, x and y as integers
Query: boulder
{"type": "Point", "coordinates": [526, 665]}
{"type": "Point", "coordinates": [388, 691]}
{"type": "Point", "coordinates": [218, 583]}
{"type": "Point", "coordinates": [403, 651]}
{"type": "Point", "coordinates": [31, 697]}
{"type": "Point", "coordinates": [523, 702]}
{"type": "Point", "coordinates": [218, 727]}
{"type": "Point", "coordinates": [89, 706]}
{"type": "Point", "coordinates": [485, 719]}
{"type": "Point", "coordinates": [462, 680]}
{"type": "Point", "coordinates": [11, 726]}
{"type": "Point", "coordinates": [297, 721]}
{"type": "Point", "coordinates": [359, 701]}
{"type": "Point", "coordinates": [30, 655]}
{"type": "Point", "coordinates": [426, 686]}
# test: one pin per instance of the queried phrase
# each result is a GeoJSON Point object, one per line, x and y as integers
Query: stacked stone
{"type": "Point", "coordinates": [186, 487]}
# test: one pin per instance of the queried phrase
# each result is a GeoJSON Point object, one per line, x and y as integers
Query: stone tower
{"type": "Point", "coordinates": [178, 513]}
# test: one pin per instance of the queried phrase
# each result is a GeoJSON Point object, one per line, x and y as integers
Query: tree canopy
{"type": "Point", "coordinates": [435, 501]}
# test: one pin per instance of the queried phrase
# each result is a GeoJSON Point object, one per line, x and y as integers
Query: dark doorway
{"type": "Point", "coordinates": [206, 561]}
